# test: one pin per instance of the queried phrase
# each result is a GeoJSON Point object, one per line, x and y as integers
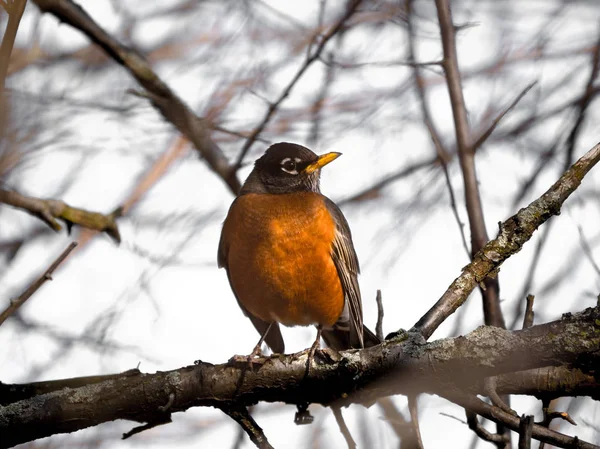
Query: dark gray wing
{"type": "Point", "coordinates": [274, 338]}
{"type": "Point", "coordinates": [346, 263]}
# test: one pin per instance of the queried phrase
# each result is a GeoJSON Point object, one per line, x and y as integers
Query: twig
{"type": "Point", "coordinates": [160, 94]}
{"type": "Point", "coordinates": [373, 191]}
{"type": "Point", "coordinates": [47, 276]}
{"type": "Point", "coordinates": [529, 315]}
{"type": "Point", "coordinates": [15, 9]}
{"type": "Point", "coordinates": [490, 391]}
{"type": "Point", "coordinates": [49, 210]}
{"type": "Point", "coordinates": [484, 135]}
{"type": "Point", "coordinates": [525, 431]}
{"type": "Point", "coordinates": [339, 418]}
{"type": "Point", "coordinates": [337, 27]}
{"type": "Point", "coordinates": [244, 419]}
{"type": "Point", "coordinates": [379, 325]}
{"type": "Point", "coordinates": [414, 419]}
{"type": "Point", "coordinates": [147, 426]}
{"type": "Point", "coordinates": [513, 234]}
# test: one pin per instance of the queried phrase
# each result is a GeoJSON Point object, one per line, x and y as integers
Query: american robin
{"type": "Point", "coordinates": [288, 253]}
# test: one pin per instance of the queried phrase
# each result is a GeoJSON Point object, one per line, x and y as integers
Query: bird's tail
{"type": "Point", "coordinates": [342, 339]}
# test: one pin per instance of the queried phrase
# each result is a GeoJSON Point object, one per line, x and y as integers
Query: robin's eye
{"type": "Point", "coordinates": [288, 165]}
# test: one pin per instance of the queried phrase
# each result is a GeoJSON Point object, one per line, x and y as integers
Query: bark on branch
{"type": "Point", "coordinates": [402, 365]}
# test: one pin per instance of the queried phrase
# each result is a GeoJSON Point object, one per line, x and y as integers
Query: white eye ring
{"type": "Point", "coordinates": [290, 170]}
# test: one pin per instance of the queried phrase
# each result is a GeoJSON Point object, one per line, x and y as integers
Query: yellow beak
{"type": "Point", "coordinates": [323, 160]}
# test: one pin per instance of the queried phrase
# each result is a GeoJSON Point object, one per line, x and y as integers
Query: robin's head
{"type": "Point", "coordinates": [287, 167]}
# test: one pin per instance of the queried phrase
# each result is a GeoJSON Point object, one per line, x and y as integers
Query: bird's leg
{"type": "Point", "coordinates": [257, 349]}
{"type": "Point", "coordinates": [311, 352]}
{"type": "Point", "coordinates": [250, 359]}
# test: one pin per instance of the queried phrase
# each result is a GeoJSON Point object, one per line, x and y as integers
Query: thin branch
{"type": "Point", "coordinates": [413, 407]}
{"type": "Point", "coordinates": [244, 419]}
{"type": "Point", "coordinates": [373, 191]}
{"type": "Point", "coordinates": [49, 210]}
{"type": "Point", "coordinates": [337, 27]}
{"type": "Point", "coordinates": [15, 9]}
{"type": "Point", "coordinates": [490, 289]}
{"type": "Point", "coordinates": [339, 419]}
{"type": "Point", "coordinates": [47, 276]}
{"type": "Point", "coordinates": [379, 325]}
{"type": "Point", "coordinates": [513, 234]}
{"type": "Point", "coordinates": [487, 133]}
{"type": "Point", "coordinates": [171, 106]}
{"type": "Point", "coordinates": [443, 154]}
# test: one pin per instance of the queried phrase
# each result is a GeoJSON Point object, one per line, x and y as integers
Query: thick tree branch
{"type": "Point", "coordinates": [160, 94]}
{"type": "Point", "coordinates": [49, 210]}
{"type": "Point", "coordinates": [513, 234]}
{"type": "Point", "coordinates": [399, 366]}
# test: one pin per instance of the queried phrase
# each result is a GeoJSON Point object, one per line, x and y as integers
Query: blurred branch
{"type": "Point", "coordinates": [403, 365]}
{"type": "Point", "coordinates": [14, 9]}
{"type": "Point", "coordinates": [488, 132]}
{"type": "Point", "coordinates": [337, 27]}
{"type": "Point", "coordinates": [490, 289]}
{"type": "Point", "coordinates": [49, 210]}
{"type": "Point", "coordinates": [443, 154]}
{"type": "Point", "coordinates": [47, 276]}
{"type": "Point", "coordinates": [171, 106]}
{"type": "Point", "coordinates": [241, 415]}
{"type": "Point", "coordinates": [513, 234]}
{"type": "Point", "coordinates": [339, 419]}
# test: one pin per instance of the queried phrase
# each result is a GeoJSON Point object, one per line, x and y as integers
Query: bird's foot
{"type": "Point", "coordinates": [311, 355]}
{"type": "Point", "coordinates": [256, 357]}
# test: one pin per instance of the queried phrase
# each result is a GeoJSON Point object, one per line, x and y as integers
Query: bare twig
{"type": "Point", "coordinates": [162, 97]}
{"type": "Point", "coordinates": [379, 325]}
{"type": "Point", "coordinates": [339, 419]}
{"type": "Point", "coordinates": [512, 235]}
{"type": "Point", "coordinates": [485, 134]}
{"type": "Point", "coordinates": [244, 419]}
{"type": "Point", "coordinates": [49, 210]}
{"type": "Point", "coordinates": [47, 276]}
{"type": "Point", "coordinates": [336, 28]}
{"type": "Point", "coordinates": [529, 315]}
{"type": "Point", "coordinates": [525, 431]}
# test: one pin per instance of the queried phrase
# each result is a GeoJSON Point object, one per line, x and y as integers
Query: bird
{"type": "Point", "coordinates": [289, 256]}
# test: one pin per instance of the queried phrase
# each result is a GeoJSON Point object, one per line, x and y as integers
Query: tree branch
{"type": "Point", "coordinates": [513, 234]}
{"type": "Point", "coordinates": [399, 366]}
{"type": "Point", "coordinates": [49, 210]}
{"type": "Point", "coordinates": [160, 94]}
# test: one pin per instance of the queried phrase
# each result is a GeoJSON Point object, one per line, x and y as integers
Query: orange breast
{"type": "Point", "coordinates": [278, 249]}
